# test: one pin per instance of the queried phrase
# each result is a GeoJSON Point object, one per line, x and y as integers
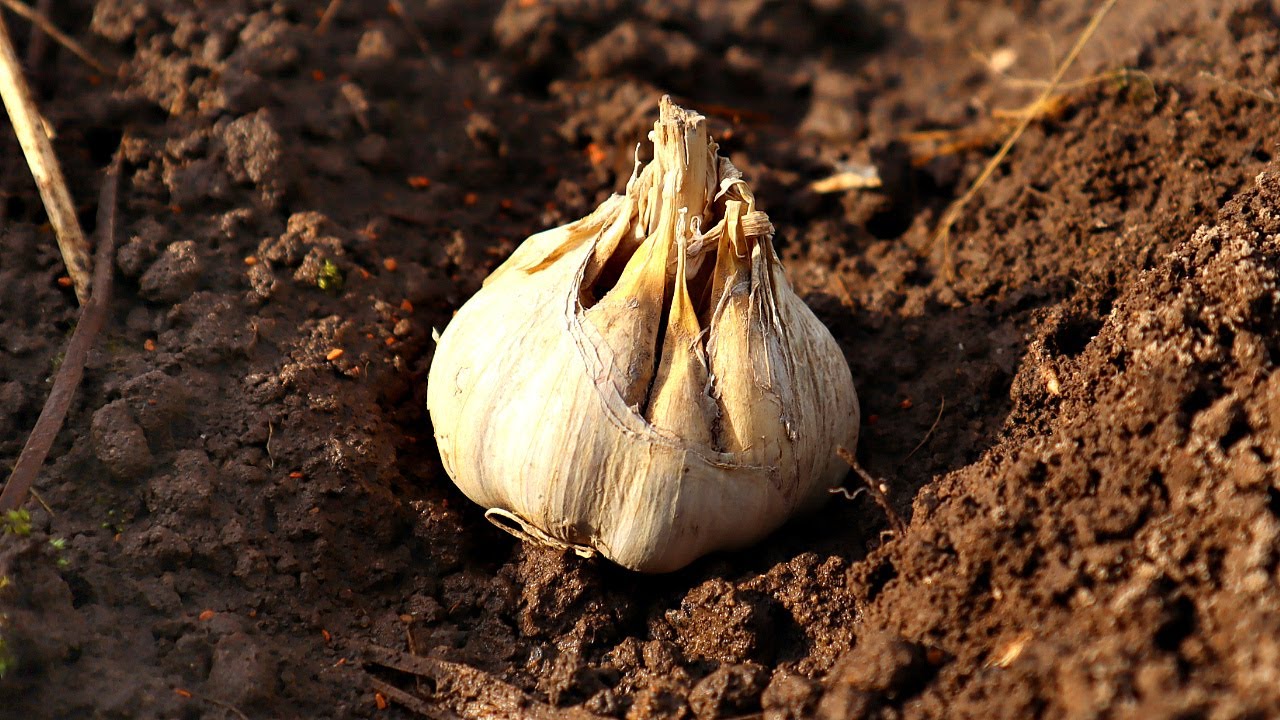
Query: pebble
{"type": "Point", "coordinates": [243, 672]}
{"type": "Point", "coordinates": [118, 441]}
{"type": "Point", "coordinates": [173, 276]}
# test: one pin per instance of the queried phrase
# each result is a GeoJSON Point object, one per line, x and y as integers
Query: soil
{"type": "Point", "coordinates": [1072, 400]}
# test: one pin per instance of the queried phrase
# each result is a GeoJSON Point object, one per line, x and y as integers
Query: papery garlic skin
{"type": "Point", "coordinates": [641, 425]}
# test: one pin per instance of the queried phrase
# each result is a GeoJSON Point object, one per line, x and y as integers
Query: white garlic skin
{"type": "Point", "coordinates": [528, 421]}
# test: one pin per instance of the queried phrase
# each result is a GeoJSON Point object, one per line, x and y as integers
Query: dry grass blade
{"type": "Point", "coordinates": [326, 19]}
{"type": "Point", "coordinates": [1263, 94]}
{"type": "Point", "coordinates": [865, 177]}
{"type": "Point", "coordinates": [38, 40]}
{"type": "Point", "coordinates": [928, 145]}
{"type": "Point", "coordinates": [224, 705]}
{"type": "Point", "coordinates": [953, 213]}
{"type": "Point", "coordinates": [463, 691]}
{"type": "Point", "coordinates": [92, 317]}
{"type": "Point", "coordinates": [397, 9]}
{"type": "Point", "coordinates": [873, 488]}
{"type": "Point", "coordinates": [41, 21]}
{"type": "Point", "coordinates": [411, 702]}
{"type": "Point", "coordinates": [29, 128]}
{"type": "Point", "coordinates": [941, 406]}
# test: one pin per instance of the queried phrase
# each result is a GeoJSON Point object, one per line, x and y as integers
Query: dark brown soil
{"type": "Point", "coordinates": [1082, 426]}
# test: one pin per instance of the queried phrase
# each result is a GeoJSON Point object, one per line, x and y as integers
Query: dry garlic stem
{"type": "Point", "coordinates": [643, 383]}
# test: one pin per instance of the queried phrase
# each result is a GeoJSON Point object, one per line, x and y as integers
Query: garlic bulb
{"type": "Point", "coordinates": [643, 382]}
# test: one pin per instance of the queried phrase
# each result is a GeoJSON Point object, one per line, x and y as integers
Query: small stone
{"type": "Point", "coordinates": [789, 697]}
{"type": "Point", "coordinates": [173, 276]}
{"type": "Point", "coordinates": [484, 134]}
{"type": "Point", "coordinates": [304, 231]}
{"type": "Point", "coordinates": [262, 280]}
{"type": "Point", "coordinates": [730, 690]}
{"type": "Point", "coordinates": [141, 247]}
{"type": "Point", "coordinates": [118, 441]}
{"type": "Point", "coordinates": [117, 20]}
{"type": "Point", "coordinates": [243, 673]}
{"type": "Point", "coordinates": [658, 700]}
{"type": "Point", "coordinates": [254, 153]}
{"type": "Point", "coordinates": [193, 181]}
{"type": "Point", "coordinates": [375, 48]}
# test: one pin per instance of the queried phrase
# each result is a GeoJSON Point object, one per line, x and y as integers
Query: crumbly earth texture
{"type": "Point", "coordinates": [1072, 400]}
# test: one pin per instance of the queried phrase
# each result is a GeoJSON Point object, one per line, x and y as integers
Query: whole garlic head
{"type": "Point", "coordinates": [643, 382]}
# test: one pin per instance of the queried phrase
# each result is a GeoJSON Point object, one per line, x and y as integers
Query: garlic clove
{"type": "Point", "coordinates": [540, 250]}
{"type": "Point", "coordinates": [629, 315]}
{"type": "Point", "coordinates": [678, 403]}
{"type": "Point", "coordinates": [616, 240]}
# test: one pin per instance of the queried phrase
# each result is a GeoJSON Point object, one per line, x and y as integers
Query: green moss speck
{"type": "Point", "coordinates": [329, 278]}
{"type": "Point", "coordinates": [16, 522]}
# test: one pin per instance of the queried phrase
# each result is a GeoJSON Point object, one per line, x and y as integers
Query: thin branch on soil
{"type": "Point", "coordinates": [941, 406]}
{"type": "Point", "coordinates": [463, 691]}
{"type": "Point", "coordinates": [397, 9]}
{"type": "Point", "coordinates": [1117, 74]}
{"type": "Point", "coordinates": [42, 21]}
{"type": "Point", "coordinates": [928, 145]}
{"type": "Point", "coordinates": [38, 39]}
{"type": "Point", "coordinates": [410, 701]}
{"type": "Point", "coordinates": [1052, 107]}
{"type": "Point", "coordinates": [224, 705]}
{"type": "Point", "coordinates": [92, 317]}
{"type": "Point", "coordinates": [873, 487]}
{"type": "Point", "coordinates": [1001, 71]}
{"type": "Point", "coordinates": [29, 128]}
{"type": "Point", "coordinates": [943, 232]}
{"type": "Point", "coordinates": [331, 10]}
{"type": "Point", "coordinates": [1262, 94]}
{"type": "Point", "coordinates": [850, 177]}
{"type": "Point", "coordinates": [40, 501]}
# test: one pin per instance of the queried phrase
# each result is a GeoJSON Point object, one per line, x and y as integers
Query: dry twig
{"type": "Point", "coordinates": [397, 9]}
{"type": "Point", "coordinates": [1263, 94]}
{"type": "Point", "coordinates": [873, 488]}
{"type": "Point", "coordinates": [941, 406]}
{"type": "Point", "coordinates": [463, 691]}
{"type": "Point", "coordinates": [92, 317]}
{"type": "Point", "coordinates": [927, 145]}
{"type": "Point", "coordinates": [38, 40]}
{"type": "Point", "coordinates": [224, 705]}
{"type": "Point", "coordinates": [29, 128]}
{"type": "Point", "coordinates": [850, 177]}
{"type": "Point", "coordinates": [953, 213]}
{"type": "Point", "coordinates": [330, 11]}
{"type": "Point", "coordinates": [411, 702]}
{"type": "Point", "coordinates": [42, 21]}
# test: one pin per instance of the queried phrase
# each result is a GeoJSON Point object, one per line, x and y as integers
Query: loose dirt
{"type": "Point", "coordinates": [1081, 427]}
